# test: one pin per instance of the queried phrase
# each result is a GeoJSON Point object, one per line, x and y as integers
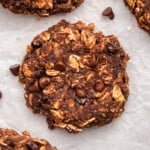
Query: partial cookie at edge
{"type": "Point", "coordinates": [11, 140]}
{"type": "Point", "coordinates": [41, 7]}
{"type": "Point", "coordinates": [141, 10]}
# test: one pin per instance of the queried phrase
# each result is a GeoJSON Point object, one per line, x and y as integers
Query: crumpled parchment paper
{"type": "Point", "coordinates": [129, 132]}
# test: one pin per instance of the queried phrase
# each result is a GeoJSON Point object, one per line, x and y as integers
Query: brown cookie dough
{"type": "Point", "coordinates": [141, 10]}
{"type": "Point", "coordinates": [11, 140]}
{"type": "Point", "coordinates": [75, 77]}
{"type": "Point", "coordinates": [41, 7]}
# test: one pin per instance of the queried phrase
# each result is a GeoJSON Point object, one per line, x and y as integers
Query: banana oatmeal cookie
{"type": "Point", "coordinates": [11, 140]}
{"type": "Point", "coordinates": [141, 10]}
{"type": "Point", "coordinates": [41, 7]}
{"type": "Point", "coordinates": [75, 77]}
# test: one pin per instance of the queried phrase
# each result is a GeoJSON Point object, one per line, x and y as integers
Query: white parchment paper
{"type": "Point", "coordinates": [129, 132]}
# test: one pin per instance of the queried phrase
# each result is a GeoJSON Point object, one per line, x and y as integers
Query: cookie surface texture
{"type": "Point", "coordinates": [75, 77]}
{"type": "Point", "coordinates": [11, 140]}
{"type": "Point", "coordinates": [141, 10]}
{"type": "Point", "coordinates": [41, 7]}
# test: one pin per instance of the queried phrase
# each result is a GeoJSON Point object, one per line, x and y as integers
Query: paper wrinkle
{"type": "Point", "coordinates": [129, 132]}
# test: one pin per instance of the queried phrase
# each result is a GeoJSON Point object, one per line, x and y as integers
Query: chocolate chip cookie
{"type": "Point", "coordinates": [75, 77]}
{"type": "Point", "coordinates": [41, 7]}
{"type": "Point", "coordinates": [11, 140]}
{"type": "Point", "coordinates": [141, 10]}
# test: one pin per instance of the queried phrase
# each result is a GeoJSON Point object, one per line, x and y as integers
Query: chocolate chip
{"type": "Point", "coordinates": [99, 86]}
{"type": "Point", "coordinates": [35, 101]}
{"type": "Point", "coordinates": [61, 1]}
{"type": "Point", "coordinates": [81, 93]}
{"type": "Point", "coordinates": [112, 48]}
{"type": "Point", "coordinates": [0, 94]}
{"type": "Point", "coordinates": [32, 146]}
{"type": "Point", "coordinates": [38, 73]}
{"type": "Point", "coordinates": [37, 43]}
{"type": "Point", "coordinates": [45, 99]}
{"type": "Point", "coordinates": [10, 143]}
{"type": "Point", "coordinates": [50, 122]}
{"type": "Point", "coordinates": [15, 69]}
{"type": "Point", "coordinates": [44, 81]}
{"type": "Point", "coordinates": [34, 87]}
{"type": "Point", "coordinates": [109, 13]}
{"type": "Point", "coordinates": [60, 66]}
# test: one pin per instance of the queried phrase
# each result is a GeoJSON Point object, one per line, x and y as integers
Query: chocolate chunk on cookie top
{"type": "Point", "coordinates": [141, 10]}
{"type": "Point", "coordinates": [41, 7]}
{"type": "Point", "coordinates": [75, 77]}
{"type": "Point", "coordinates": [11, 140]}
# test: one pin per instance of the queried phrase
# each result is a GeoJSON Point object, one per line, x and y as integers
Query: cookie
{"type": "Point", "coordinates": [41, 7]}
{"type": "Point", "coordinates": [11, 140]}
{"type": "Point", "coordinates": [141, 10]}
{"type": "Point", "coordinates": [75, 77]}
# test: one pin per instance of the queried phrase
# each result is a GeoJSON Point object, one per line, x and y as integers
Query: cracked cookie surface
{"type": "Point", "coordinates": [75, 77]}
{"type": "Point", "coordinates": [41, 7]}
{"type": "Point", "coordinates": [141, 10]}
{"type": "Point", "coordinates": [11, 140]}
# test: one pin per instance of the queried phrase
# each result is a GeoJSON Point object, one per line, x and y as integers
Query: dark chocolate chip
{"type": "Point", "coordinates": [50, 122]}
{"type": "Point", "coordinates": [111, 49]}
{"type": "Point", "coordinates": [37, 43]}
{"type": "Point", "coordinates": [35, 101]}
{"type": "Point", "coordinates": [0, 94]}
{"type": "Point", "coordinates": [45, 99]}
{"type": "Point", "coordinates": [44, 81]}
{"type": "Point", "coordinates": [61, 1]}
{"type": "Point", "coordinates": [39, 73]}
{"type": "Point", "coordinates": [109, 13]}
{"type": "Point", "coordinates": [99, 86]}
{"type": "Point", "coordinates": [15, 69]}
{"type": "Point", "coordinates": [81, 93]}
{"type": "Point", "coordinates": [32, 146]}
{"type": "Point", "coordinates": [60, 66]}
{"type": "Point", "coordinates": [34, 87]}
{"type": "Point", "coordinates": [10, 143]}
